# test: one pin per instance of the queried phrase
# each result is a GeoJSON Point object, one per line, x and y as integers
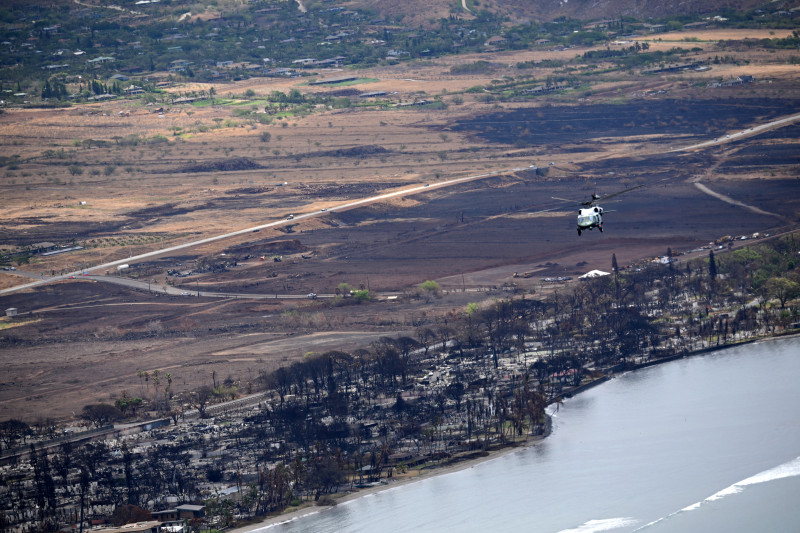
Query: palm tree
{"type": "Point", "coordinates": [156, 383]}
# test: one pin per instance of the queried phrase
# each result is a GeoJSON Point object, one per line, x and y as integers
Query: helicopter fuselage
{"type": "Point", "coordinates": [589, 218]}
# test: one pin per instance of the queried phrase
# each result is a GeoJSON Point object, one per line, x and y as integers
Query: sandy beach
{"type": "Point", "coordinates": [413, 476]}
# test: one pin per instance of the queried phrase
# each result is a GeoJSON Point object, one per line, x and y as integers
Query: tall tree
{"type": "Point", "coordinates": [712, 265]}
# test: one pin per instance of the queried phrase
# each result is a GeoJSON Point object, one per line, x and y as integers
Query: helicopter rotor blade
{"type": "Point", "coordinates": [548, 210]}
{"type": "Point", "coordinates": [604, 198]}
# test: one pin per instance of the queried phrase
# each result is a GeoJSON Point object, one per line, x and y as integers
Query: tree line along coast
{"type": "Point", "coordinates": [475, 382]}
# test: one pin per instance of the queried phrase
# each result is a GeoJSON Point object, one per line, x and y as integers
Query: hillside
{"type": "Point", "coordinates": [69, 52]}
{"type": "Point", "coordinates": [421, 12]}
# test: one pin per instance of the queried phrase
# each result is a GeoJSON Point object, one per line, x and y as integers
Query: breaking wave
{"type": "Point", "coordinates": [788, 469]}
{"type": "Point", "coordinates": [606, 524]}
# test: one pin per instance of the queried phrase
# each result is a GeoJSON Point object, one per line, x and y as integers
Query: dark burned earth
{"type": "Point", "coordinates": [565, 125]}
{"type": "Point", "coordinates": [513, 222]}
{"type": "Point", "coordinates": [473, 236]}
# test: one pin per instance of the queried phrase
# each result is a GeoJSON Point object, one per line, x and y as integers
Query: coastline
{"type": "Point", "coordinates": [310, 508]}
{"type": "Point", "coordinates": [422, 475]}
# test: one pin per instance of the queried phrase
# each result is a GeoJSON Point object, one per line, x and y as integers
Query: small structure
{"type": "Point", "coordinates": [593, 274]}
{"type": "Point", "coordinates": [167, 515]}
{"type": "Point", "coordinates": [101, 59]}
{"type": "Point", "coordinates": [151, 526]}
{"type": "Point", "coordinates": [40, 247]}
{"type": "Point", "coordinates": [188, 511]}
{"type": "Point", "coordinates": [333, 81]}
{"type": "Point", "coordinates": [181, 512]}
{"type": "Point", "coordinates": [62, 250]}
{"type": "Point", "coordinates": [11, 311]}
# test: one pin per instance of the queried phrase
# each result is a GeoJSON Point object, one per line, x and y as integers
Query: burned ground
{"type": "Point", "coordinates": [29, 230]}
{"type": "Point", "coordinates": [668, 119]}
{"type": "Point", "coordinates": [223, 165]}
{"type": "Point", "coordinates": [768, 151]}
{"type": "Point", "coordinates": [82, 341]}
{"type": "Point", "coordinates": [514, 220]}
{"type": "Point", "coordinates": [267, 247]}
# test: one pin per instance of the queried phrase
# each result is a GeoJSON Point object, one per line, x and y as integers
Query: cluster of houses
{"type": "Point", "coordinates": [739, 80]}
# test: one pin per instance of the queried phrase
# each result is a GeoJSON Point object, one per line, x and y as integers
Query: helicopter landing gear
{"type": "Point", "coordinates": [600, 228]}
{"type": "Point", "coordinates": [579, 232]}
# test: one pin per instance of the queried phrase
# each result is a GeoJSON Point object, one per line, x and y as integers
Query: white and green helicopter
{"type": "Point", "coordinates": [590, 215]}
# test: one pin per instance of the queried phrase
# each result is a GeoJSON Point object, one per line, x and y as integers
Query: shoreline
{"type": "Point", "coordinates": [428, 473]}
{"type": "Point", "coordinates": [309, 508]}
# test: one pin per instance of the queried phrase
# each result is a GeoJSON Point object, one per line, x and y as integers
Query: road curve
{"type": "Point", "coordinates": [341, 207]}
{"type": "Point", "coordinates": [731, 201]}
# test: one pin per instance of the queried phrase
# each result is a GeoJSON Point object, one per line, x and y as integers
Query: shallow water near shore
{"type": "Point", "coordinates": [707, 443]}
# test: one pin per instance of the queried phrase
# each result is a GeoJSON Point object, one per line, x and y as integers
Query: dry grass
{"type": "Point", "coordinates": [720, 34]}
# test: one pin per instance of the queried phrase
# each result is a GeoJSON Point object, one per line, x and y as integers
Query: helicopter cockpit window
{"type": "Point", "coordinates": [586, 220]}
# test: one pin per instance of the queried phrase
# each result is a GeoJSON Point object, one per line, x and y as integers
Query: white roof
{"type": "Point", "coordinates": [594, 274]}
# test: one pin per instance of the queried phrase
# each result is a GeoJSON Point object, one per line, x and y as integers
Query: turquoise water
{"type": "Point", "coordinates": [708, 443]}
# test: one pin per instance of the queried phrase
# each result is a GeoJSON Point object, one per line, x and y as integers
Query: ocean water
{"type": "Point", "coordinates": [704, 444]}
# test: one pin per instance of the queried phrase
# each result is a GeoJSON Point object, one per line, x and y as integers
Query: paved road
{"type": "Point", "coordinates": [755, 130]}
{"type": "Point", "coordinates": [277, 223]}
{"type": "Point", "coordinates": [733, 137]}
{"type": "Point", "coordinates": [350, 205]}
{"type": "Point", "coordinates": [174, 291]}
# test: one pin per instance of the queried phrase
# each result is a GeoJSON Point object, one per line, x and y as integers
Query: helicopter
{"type": "Point", "coordinates": [590, 215]}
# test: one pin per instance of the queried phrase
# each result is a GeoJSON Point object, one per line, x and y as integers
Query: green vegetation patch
{"type": "Point", "coordinates": [215, 101]}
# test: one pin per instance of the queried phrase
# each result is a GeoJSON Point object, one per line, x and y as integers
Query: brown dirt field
{"type": "Point", "coordinates": [80, 341]}
{"type": "Point", "coordinates": [721, 34]}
